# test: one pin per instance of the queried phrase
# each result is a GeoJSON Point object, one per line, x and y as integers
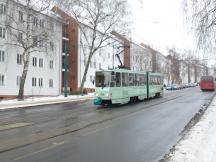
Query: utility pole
{"type": "Point", "coordinates": [113, 55]}
{"type": "Point", "coordinates": [66, 70]}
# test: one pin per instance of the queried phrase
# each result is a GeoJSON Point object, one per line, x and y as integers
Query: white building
{"type": "Point", "coordinates": [183, 70]}
{"type": "Point", "coordinates": [44, 72]}
{"type": "Point", "coordinates": [141, 58]}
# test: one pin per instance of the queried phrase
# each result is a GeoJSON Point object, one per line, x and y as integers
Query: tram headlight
{"type": "Point", "coordinates": [109, 95]}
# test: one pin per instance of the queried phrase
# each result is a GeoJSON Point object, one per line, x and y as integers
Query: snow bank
{"type": "Point", "coordinates": [199, 145]}
{"type": "Point", "coordinates": [43, 99]}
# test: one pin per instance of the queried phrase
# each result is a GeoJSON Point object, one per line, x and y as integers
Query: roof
{"type": "Point", "coordinates": [47, 12]}
{"type": "Point", "coordinates": [131, 71]}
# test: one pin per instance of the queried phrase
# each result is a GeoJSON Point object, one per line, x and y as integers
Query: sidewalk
{"type": "Point", "coordinates": [36, 101]}
{"type": "Point", "coordinates": [199, 144]}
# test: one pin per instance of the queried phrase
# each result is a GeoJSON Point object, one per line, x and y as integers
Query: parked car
{"type": "Point", "coordinates": [172, 87]}
{"type": "Point", "coordinates": [168, 87]}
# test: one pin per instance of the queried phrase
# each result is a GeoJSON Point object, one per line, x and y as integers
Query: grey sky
{"type": "Point", "coordinates": [160, 24]}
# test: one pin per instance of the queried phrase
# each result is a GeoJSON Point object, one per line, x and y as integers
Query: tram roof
{"type": "Point", "coordinates": [131, 71]}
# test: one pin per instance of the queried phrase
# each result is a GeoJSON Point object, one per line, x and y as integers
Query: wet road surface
{"type": "Point", "coordinates": [81, 132]}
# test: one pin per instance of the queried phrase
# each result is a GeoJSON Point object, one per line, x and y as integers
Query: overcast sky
{"type": "Point", "coordinates": [159, 23]}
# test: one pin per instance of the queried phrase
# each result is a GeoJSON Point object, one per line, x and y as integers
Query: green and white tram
{"type": "Point", "coordinates": [119, 86]}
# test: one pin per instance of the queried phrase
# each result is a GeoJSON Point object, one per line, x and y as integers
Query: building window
{"type": "Point", "coordinates": [40, 82]}
{"type": "Point", "coordinates": [51, 64]}
{"type": "Point", "coordinates": [20, 37]}
{"type": "Point", "coordinates": [51, 26]}
{"type": "Point", "coordinates": [40, 62]}
{"type": "Point", "coordinates": [19, 59]}
{"type": "Point", "coordinates": [21, 16]}
{"type": "Point", "coordinates": [50, 83]}
{"type": "Point", "coordinates": [2, 32]}
{"type": "Point", "coordinates": [3, 9]}
{"type": "Point", "coordinates": [99, 65]}
{"type": "Point", "coordinates": [35, 41]}
{"type": "Point", "coordinates": [2, 56]}
{"type": "Point", "coordinates": [51, 46]}
{"type": "Point", "coordinates": [35, 21]}
{"type": "Point", "coordinates": [2, 80]}
{"type": "Point", "coordinates": [41, 43]}
{"type": "Point", "coordinates": [18, 80]}
{"type": "Point", "coordinates": [34, 82]}
{"type": "Point", "coordinates": [41, 23]}
{"type": "Point", "coordinates": [34, 62]}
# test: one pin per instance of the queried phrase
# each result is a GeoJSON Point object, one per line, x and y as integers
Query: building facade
{"type": "Point", "coordinates": [43, 77]}
{"type": "Point", "coordinates": [78, 51]}
{"type": "Point", "coordinates": [183, 65]}
{"type": "Point", "coordinates": [141, 59]}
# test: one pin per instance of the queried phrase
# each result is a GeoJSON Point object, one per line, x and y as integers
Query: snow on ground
{"type": "Point", "coordinates": [4, 104]}
{"type": "Point", "coordinates": [199, 145]}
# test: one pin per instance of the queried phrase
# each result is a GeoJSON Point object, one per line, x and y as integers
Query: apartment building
{"type": "Point", "coordinates": [44, 71]}
{"type": "Point", "coordinates": [141, 58]}
{"type": "Point", "coordinates": [73, 39]}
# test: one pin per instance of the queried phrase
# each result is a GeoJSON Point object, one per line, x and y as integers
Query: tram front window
{"type": "Point", "coordinates": [103, 79]}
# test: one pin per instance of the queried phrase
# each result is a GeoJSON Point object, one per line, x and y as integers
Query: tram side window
{"type": "Point", "coordinates": [131, 79]}
{"type": "Point", "coordinates": [145, 79]}
{"type": "Point", "coordinates": [113, 79]}
{"type": "Point", "coordinates": [142, 80]}
{"type": "Point", "coordinates": [158, 80]}
{"type": "Point", "coordinates": [124, 79]}
{"type": "Point", "coordinates": [136, 79]}
{"type": "Point", "coordinates": [150, 80]}
{"type": "Point", "coordinates": [155, 81]}
{"type": "Point", "coordinates": [118, 79]}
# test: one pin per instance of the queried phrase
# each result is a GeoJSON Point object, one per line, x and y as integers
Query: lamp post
{"type": "Point", "coordinates": [66, 70]}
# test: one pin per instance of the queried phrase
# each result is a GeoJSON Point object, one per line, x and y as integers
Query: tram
{"type": "Point", "coordinates": [119, 86]}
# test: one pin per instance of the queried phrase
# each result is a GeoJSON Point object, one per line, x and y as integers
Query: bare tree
{"type": "Point", "coordinates": [202, 15]}
{"type": "Point", "coordinates": [21, 25]}
{"type": "Point", "coordinates": [175, 65]}
{"type": "Point", "coordinates": [97, 19]}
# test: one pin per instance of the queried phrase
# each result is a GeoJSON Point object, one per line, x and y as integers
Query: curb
{"type": "Point", "coordinates": [41, 103]}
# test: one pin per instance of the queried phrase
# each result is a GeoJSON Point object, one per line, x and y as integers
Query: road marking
{"type": "Point", "coordinates": [58, 143]}
{"type": "Point", "coordinates": [95, 131]}
{"type": "Point", "coordinates": [54, 144]}
{"type": "Point", "coordinates": [12, 126]}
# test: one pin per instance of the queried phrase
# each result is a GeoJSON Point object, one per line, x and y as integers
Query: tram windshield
{"type": "Point", "coordinates": [103, 79]}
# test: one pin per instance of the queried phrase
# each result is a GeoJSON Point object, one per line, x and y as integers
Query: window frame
{"type": "Point", "coordinates": [40, 82]}
{"type": "Point", "coordinates": [2, 56]}
{"type": "Point", "coordinates": [19, 59]}
{"type": "Point", "coordinates": [2, 80]}
{"type": "Point", "coordinates": [41, 62]}
{"type": "Point", "coordinates": [50, 83]}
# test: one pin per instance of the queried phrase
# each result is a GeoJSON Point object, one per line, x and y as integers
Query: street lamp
{"type": "Point", "coordinates": [66, 70]}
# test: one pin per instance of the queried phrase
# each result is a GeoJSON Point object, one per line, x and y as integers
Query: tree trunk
{"type": "Point", "coordinates": [85, 73]}
{"type": "Point", "coordinates": [23, 79]}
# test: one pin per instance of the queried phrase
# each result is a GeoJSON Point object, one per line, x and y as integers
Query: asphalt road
{"type": "Point", "coordinates": [81, 132]}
